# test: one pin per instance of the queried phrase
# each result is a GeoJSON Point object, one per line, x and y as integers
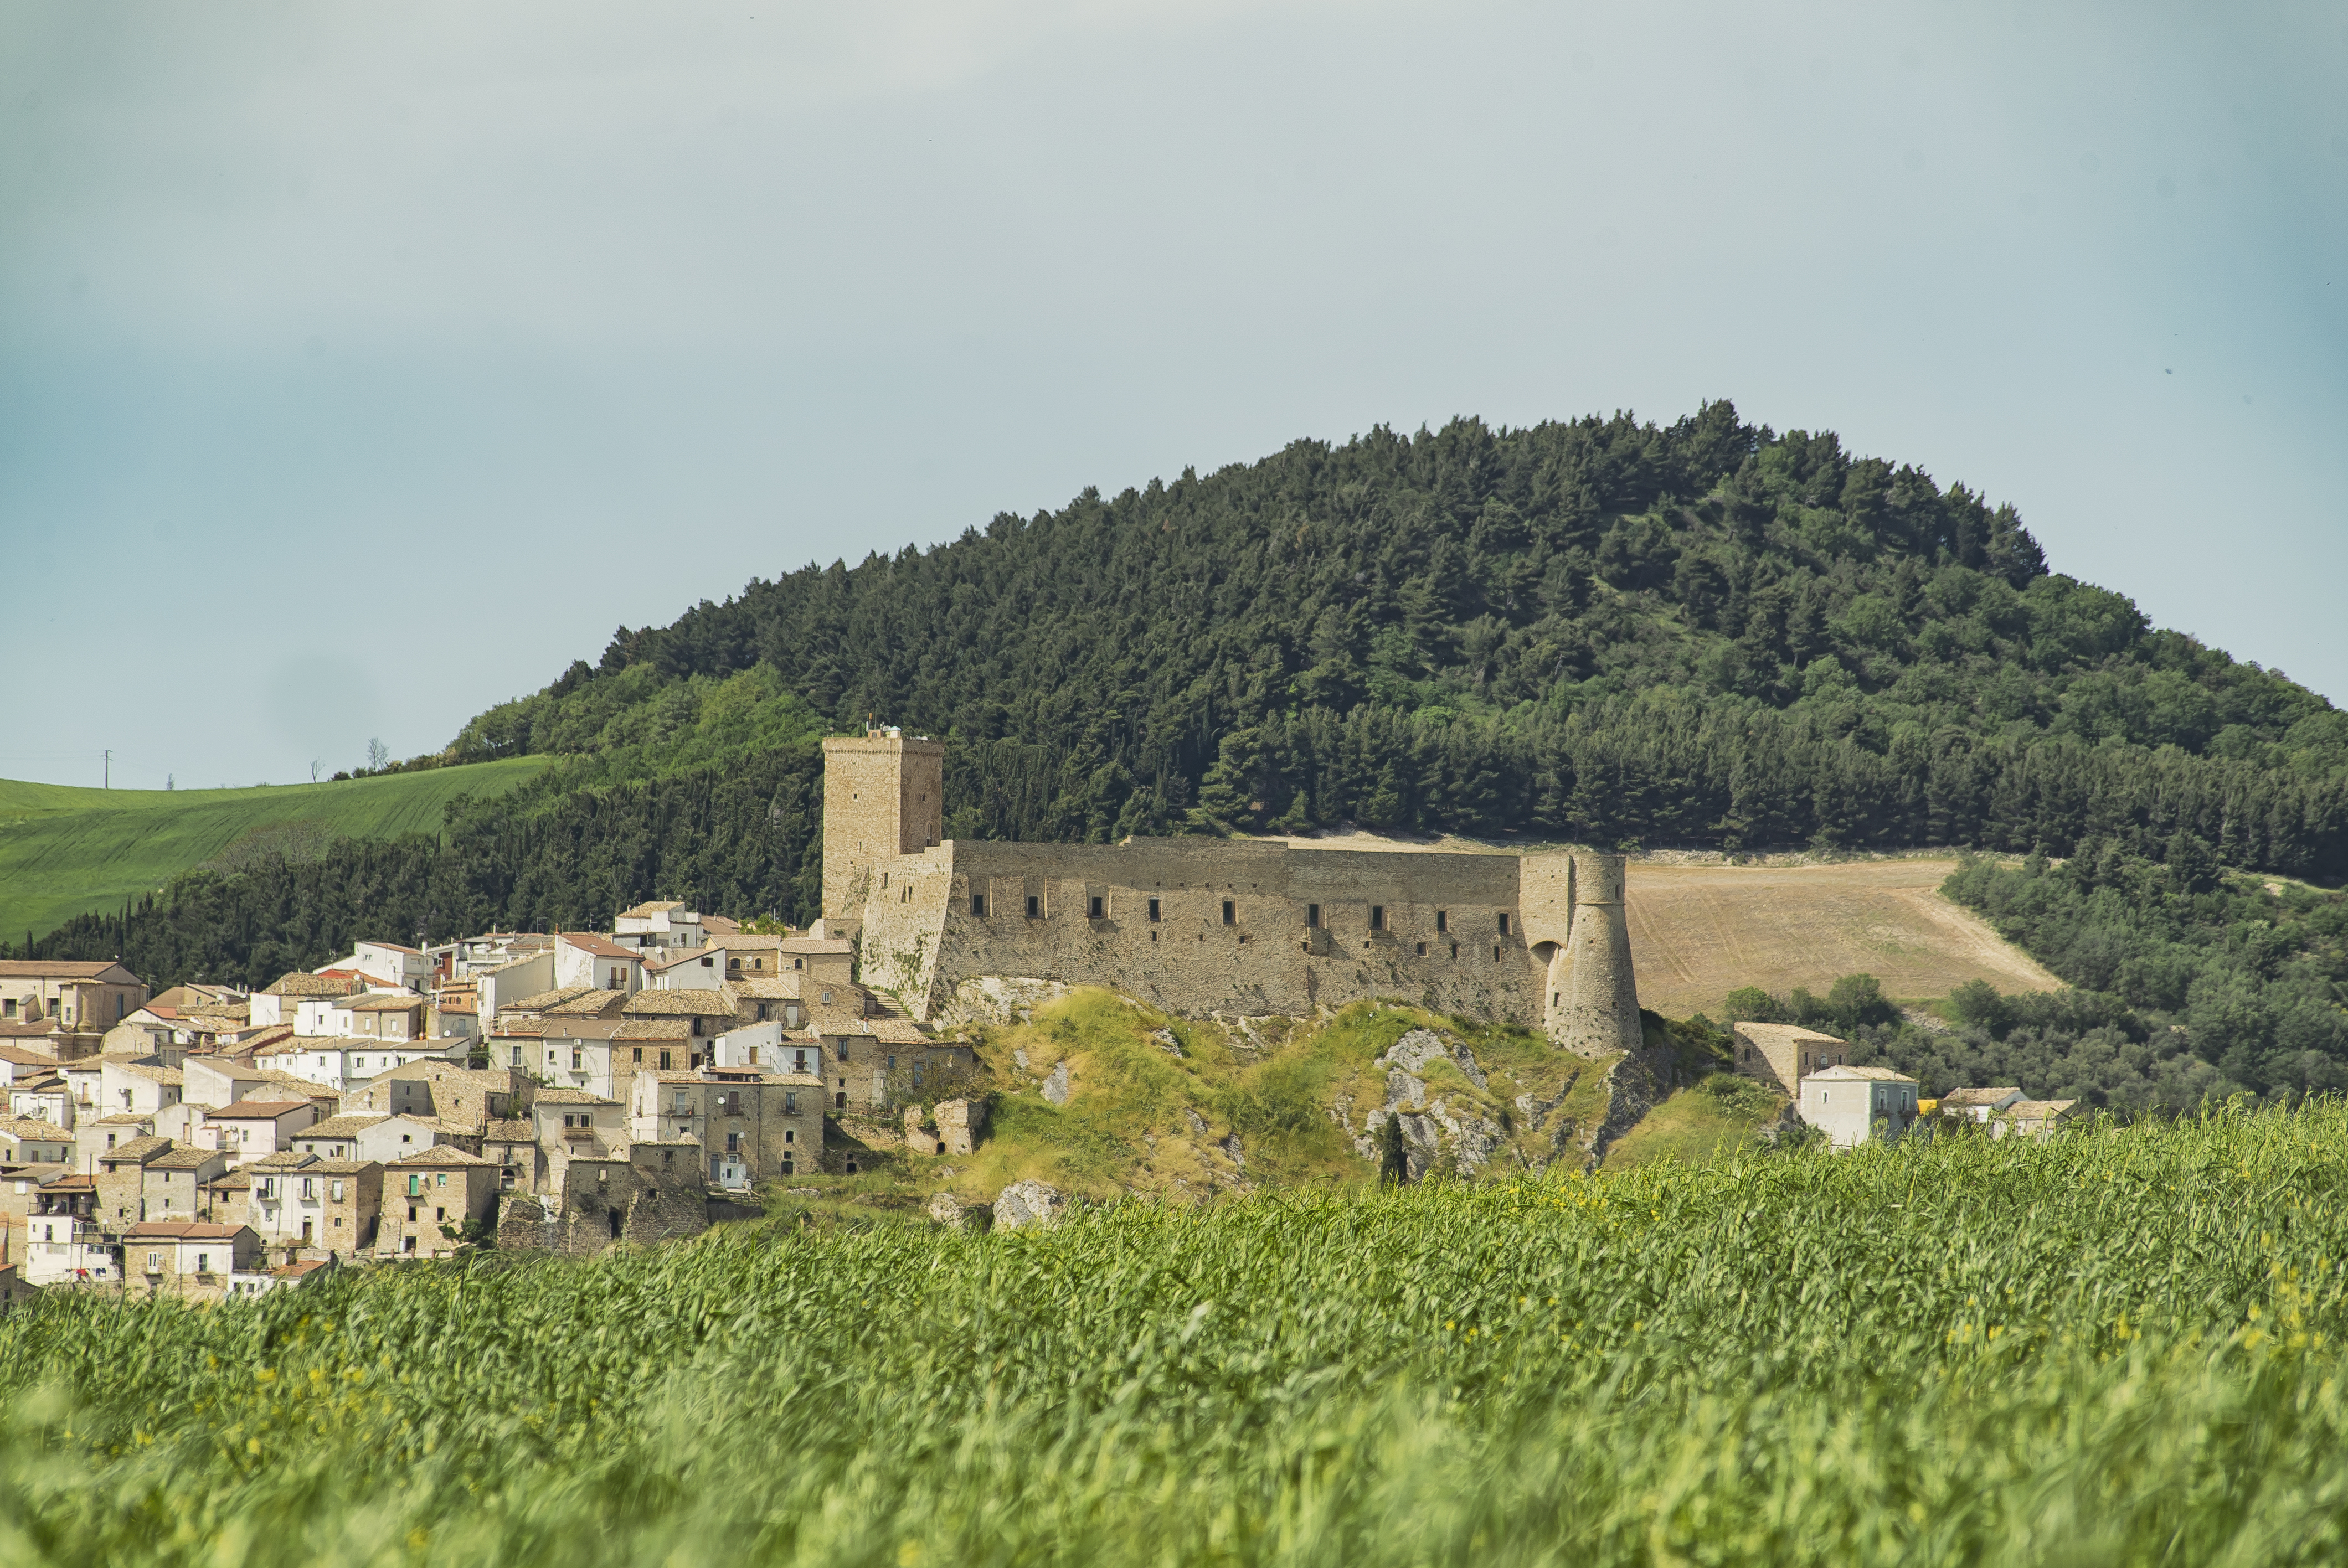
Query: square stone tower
{"type": "Point", "coordinates": [883, 796]}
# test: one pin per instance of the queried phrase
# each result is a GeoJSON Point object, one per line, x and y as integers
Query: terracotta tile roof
{"type": "Point", "coordinates": [255, 1110]}
{"type": "Point", "coordinates": [508, 1027]}
{"type": "Point", "coordinates": [440, 1154]}
{"type": "Point", "coordinates": [137, 1152]}
{"type": "Point", "coordinates": [392, 946]}
{"type": "Point", "coordinates": [778, 988]}
{"type": "Point", "coordinates": [654, 1029]}
{"type": "Point", "coordinates": [509, 1132]}
{"type": "Point", "coordinates": [690, 957]}
{"type": "Point", "coordinates": [283, 1160]}
{"type": "Point", "coordinates": [56, 968]}
{"type": "Point", "coordinates": [542, 1000]}
{"type": "Point", "coordinates": [596, 943]}
{"type": "Point", "coordinates": [183, 1160]}
{"type": "Point", "coordinates": [238, 1180]}
{"type": "Point", "coordinates": [345, 1126]}
{"type": "Point", "coordinates": [299, 984]}
{"type": "Point", "coordinates": [23, 1058]}
{"type": "Point", "coordinates": [1782, 1033]}
{"type": "Point", "coordinates": [559, 1028]}
{"type": "Point", "coordinates": [647, 911]}
{"type": "Point", "coordinates": [589, 1004]}
{"type": "Point", "coordinates": [898, 1031]}
{"type": "Point", "coordinates": [152, 1074]}
{"type": "Point", "coordinates": [297, 1271]}
{"type": "Point", "coordinates": [838, 947]}
{"type": "Point", "coordinates": [401, 1002]}
{"type": "Point", "coordinates": [1867, 1074]}
{"type": "Point", "coordinates": [694, 1003]}
{"type": "Point", "coordinates": [1959, 1098]}
{"type": "Point", "coordinates": [25, 1130]}
{"type": "Point", "coordinates": [550, 1095]}
{"type": "Point", "coordinates": [348, 1167]}
{"type": "Point", "coordinates": [122, 1119]}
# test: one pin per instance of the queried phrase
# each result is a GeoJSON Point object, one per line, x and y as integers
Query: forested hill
{"type": "Point", "coordinates": [1703, 633]}
{"type": "Point", "coordinates": [1697, 634]}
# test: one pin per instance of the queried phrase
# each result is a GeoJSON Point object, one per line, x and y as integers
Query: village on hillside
{"type": "Point", "coordinates": [563, 1092]}
{"type": "Point", "coordinates": [560, 1092]}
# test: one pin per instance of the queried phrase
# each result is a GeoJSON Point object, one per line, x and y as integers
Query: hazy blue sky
{"type": "Point", "coordinates": [362, 366]}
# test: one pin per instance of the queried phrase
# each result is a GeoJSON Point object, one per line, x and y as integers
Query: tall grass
{"type": "Point", "coordinates": [2122, 1347]}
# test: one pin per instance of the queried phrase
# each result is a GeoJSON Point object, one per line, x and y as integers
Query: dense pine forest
{"type": "Point", "coordinates": [1633, 635]}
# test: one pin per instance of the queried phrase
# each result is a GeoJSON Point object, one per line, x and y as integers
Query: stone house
{"type": "Point", "coordinates": [141, 1086]}
{"type": "Point", "coordinates": [252, 1128]}
{"type": "Point", "coordinates": [590, 958]}
{"type": "Point", "coordinates": [122, 1176]}
{"type": "Point", "coordinates": [1848, 1103]}
{"type": "Point", "coordinates": [658, 925]}
{"type": "Point", "coordinates": [573, 1124]}
{"type": "Point", "coordinates": [381, 1139]}
{"type": "Point", "coordinates": [227, 1199]}
{"type": "Point", "coordinates": [463, 1099]}
{"type": "Point", "coordinates": [171, 1185]}
{"type": "Point", "coordinates": [427, 1190]}
{"type": "Point", "coordinates": [1978, 1104]}
{"type": "Point", "coordinates": [300, 1202]}
{"type": "Point", "coordinates": [1782, 1054]}
{"type": "Point", "coordinates": [95, 1137]}
{"type": "Point", "coordinates": [706, 1013]}
{"type": "Point", "coordinates": [281, 1001]}
{"type": "Point", "coordinates": [512, 1147]}
{"type": "Point", "coordinates": [28, 1142]}
{"type": "Point", "coordinates": [85, 997]}
{"type": "Point", "coordinates": [746, 1126]}
{"type": "Point", "coordinates": [47, 1099]}
{"type": "Point", "coordinates": [652, 1194]}
{"type": "Point", "coordinates": [188, 1258]}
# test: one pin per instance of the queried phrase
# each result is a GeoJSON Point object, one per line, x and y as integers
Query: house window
{"type": "Point", "coordinates": [154, 1263]}
{"type": "Point", "coordinates": [1377, 916]}
{"type": "Point", "coordinates": [443, 1178]}
{"type": "Point", "coordinates": [415, 1188]}
{"type": "Point", "coordinates": [843, 1050]}
{"type": "Point", "coordinates": [733, 1143]}
{"type": "Point", "coordinates": [1443, 919]}
{"type": "Point", "coordinates": [1231, 913]}
{"type": "Point", "coordinates": [1035, 907]}
{"type": "Point", "coordinates": [1312, 916]}
{"type": "Point", "coordinates": [1504, 922]}
{"type": "Point", "coordinates": [1422, 949]}
{"type": "Point", "coordinates": [790, 1108]}
{"type": "Point", "coordinates": [1098, 906]}
{"type": "Point", "coordinates": [575, 1058]}
{"type": "Point", "coordinates": [203, 1262]}
{"type": "Point", "coordinates": [790, 1135]}
{"type": "Point", "coordinates": [664, 1061]}
{"type": "Point", "coordinates": [753, 1056]}
{"type": "Point", "coordinates": [638, 1056]}
{"type": "Point", "coordinates": [978, 906]}
{"type": "Point", "coordinates": [335, 1190]}
{"type": "Point", "coordinates": [709, 963]}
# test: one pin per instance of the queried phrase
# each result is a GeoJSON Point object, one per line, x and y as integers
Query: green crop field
{"type": "Point", "coordinates": [2122, 1347]}
{"type": "Point", "coordinates": [65, 851]}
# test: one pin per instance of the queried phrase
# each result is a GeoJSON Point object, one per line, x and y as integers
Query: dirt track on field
{"type": "Point", "coordinates": [1698, 932]}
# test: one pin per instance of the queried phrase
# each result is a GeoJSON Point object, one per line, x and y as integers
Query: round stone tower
{"type": "Point", "coordinates": [1593, 998]}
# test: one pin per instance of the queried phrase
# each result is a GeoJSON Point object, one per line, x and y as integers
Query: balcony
{"type": "Point", "coordinates": [577, 1135]}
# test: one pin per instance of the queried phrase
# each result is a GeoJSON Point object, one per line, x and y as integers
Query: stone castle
{"type": "Point", "coordinates": [1202, 926]}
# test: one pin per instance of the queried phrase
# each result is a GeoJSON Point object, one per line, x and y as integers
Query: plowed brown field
{"type": "Point", "coordinates": [1698, 932]}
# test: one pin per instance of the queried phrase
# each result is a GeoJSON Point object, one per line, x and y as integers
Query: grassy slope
{"type": "Point", "coordinates": [65, 851]}
{"type": "Point", "coordinates": [1296, 1103]}
{"type": "Point", "coordinates": [2127, 1346]}
{"type": "Point", "coordinates": [1703, 1125]}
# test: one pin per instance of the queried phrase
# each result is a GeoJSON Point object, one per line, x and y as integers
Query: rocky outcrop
{"type": "Point", "coordinates": [952, 1212]}
{"type": "Point", "coordinates": [1029, 1202]}
{"type": "Point", "coordinates": [998, 1000]}
{"type": "Point", "coordinates": [1634, 1085]}
{"type": "Point", "coordinates": [1055, 1084]}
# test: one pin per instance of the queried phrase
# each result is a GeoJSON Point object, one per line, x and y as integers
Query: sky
{"type": "Point", "coordinates": [362, 366]}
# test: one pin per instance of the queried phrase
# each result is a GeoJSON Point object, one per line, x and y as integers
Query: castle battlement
{"type": "Point", "coordinates": [1200, 925]}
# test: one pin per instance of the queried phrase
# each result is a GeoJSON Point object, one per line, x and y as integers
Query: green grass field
{"type": "Point", "coordinates": [66, 851]}
{"type": "Point", "coordinates": [2122, 1347]}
